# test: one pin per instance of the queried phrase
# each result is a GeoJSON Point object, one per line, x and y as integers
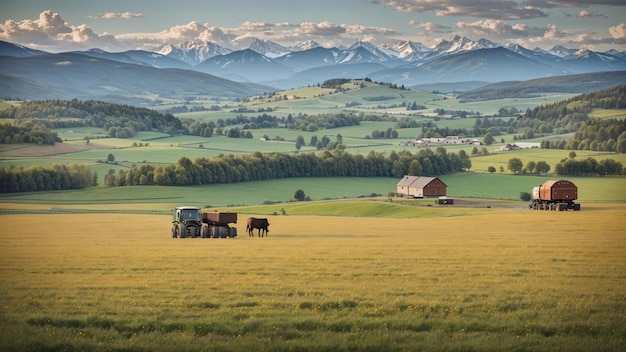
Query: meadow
{"type": "Point", "coordinates": [436, 279]}
{"type": "Point", "coordinates": [470, 186]}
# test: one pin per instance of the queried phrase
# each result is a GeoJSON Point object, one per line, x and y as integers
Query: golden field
{"type": "Point", "coordinates": [493, 279]}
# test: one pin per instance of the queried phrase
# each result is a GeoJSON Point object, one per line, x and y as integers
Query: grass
{"type": "Point", "coordinates": [492, 281]}
{"type": "Point", "coordinates": [551, 156]}
{"type": "Point", "coordinates": [464, 185]}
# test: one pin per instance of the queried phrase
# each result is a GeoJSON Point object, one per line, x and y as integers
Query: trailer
{"type": "Point", "coordinates": [218, 224]}
{"type": "Point", "coordinates": [555, 195]}
{"type": "Point", "coordinates": [191, 222]}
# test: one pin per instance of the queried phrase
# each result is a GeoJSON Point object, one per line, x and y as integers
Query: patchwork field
{"type": "Point", "coordinates": [436, 280]}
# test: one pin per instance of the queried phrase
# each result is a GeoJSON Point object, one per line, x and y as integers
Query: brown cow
{"type": "Point", "coordinates": [260, 224]}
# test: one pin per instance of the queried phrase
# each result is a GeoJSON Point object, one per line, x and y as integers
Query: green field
{"type": "Point", "coordinates": [463, 185]}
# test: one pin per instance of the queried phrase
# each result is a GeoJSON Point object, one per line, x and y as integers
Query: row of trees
{"type": "Point", "coordinates": [27, 133]}
{"type": "Point", "coordinates": [568, 167]}
{"type": "Point", "coordinates": [258, 166]}
{"type": "Point", "coordinates": [589, 167]}
{"type": "Point", "coordinates": [37, 178]}
{"type": "Point", "coordinates": [517, 166]}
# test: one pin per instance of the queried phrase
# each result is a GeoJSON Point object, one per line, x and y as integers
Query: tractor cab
{"type": "Point", "coordinates": [184, 214]}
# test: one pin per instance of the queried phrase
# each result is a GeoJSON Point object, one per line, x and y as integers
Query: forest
{"type": "Point", "coordinates": [121, 121]}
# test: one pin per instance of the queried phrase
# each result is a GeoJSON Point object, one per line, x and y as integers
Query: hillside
{"type": "Point", "coordinates": [76, 76]}
{"type": "Point", "coordinates": [581, 83]}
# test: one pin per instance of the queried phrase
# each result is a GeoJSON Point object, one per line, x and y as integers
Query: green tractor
{"type": "Point", "coordinates": [187, 222]}
{"type": "Point", "coordinates": [192, 222]}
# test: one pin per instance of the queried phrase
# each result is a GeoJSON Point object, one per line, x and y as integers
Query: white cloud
{"type": "Point", "coordinates": [587, 14]}
{"type": "Point", "coordinates": [116, 15]}
{"type": "Point", "coordinates": [319, 29]}
{"type": "Point", "coordinates": [553, 32]}
{"type": "Point", "coordinates": [51, 33]}
{"type": "Point", "coordinates": [430, 27]}
{"type": "Point", "coordinates": [619, 31]}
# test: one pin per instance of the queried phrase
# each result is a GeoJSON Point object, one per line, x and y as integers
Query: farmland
{"type": "Point", "coordinates": [489, 279]}
{"type": "Point", "coordinates": [354, 269]}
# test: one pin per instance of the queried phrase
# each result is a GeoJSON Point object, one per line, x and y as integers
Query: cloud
{"type": "Point", "coordinates": [116, 15]}
{"type": "Point", "coordinates": [619, 31]}
{"type": "Point", "coordinates": [359, 30]}
{"type": "Point", "coordinates": [430, 27]}
{"type": "Point", "coordinates": [493, 9]}
{"type": "Point", "coordinates": [257, 26]}
{"type": "Point", "coordinates": [587, 14]}
{"type": "Point", "coordinates": [178, 34]}
{"type": "Point", "coordinates": [322, 29]}
{"type": "Point", "coordinates": [494, 27]}
{"type": "Point", "coordinates": [51, 33]}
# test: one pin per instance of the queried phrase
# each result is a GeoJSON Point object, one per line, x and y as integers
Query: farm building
{"type": "Point", "coordinates": [419, 187]}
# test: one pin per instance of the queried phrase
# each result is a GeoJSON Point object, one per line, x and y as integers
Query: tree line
{"type": "Point", "coordinates": [27, 133]}
{"type": "Point", "coordinates": [568, 167]}
{"type": "Point", "coordinates": [55, 177]}
{"type": "Point", "coordinates": [258, 166]}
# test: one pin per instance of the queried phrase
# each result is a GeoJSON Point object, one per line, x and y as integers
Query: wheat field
{"type": "Point", "coordinates": [491, 280]}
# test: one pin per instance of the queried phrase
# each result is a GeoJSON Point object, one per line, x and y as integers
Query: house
{"type": "Point", "coordinates": [420, 186]}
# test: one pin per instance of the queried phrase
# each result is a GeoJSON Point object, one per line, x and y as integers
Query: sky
{"type": "Point", "coordinates": [119, 25]}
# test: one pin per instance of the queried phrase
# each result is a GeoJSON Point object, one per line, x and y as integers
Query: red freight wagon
{"type": "Point", "coordinates": [555, 195]}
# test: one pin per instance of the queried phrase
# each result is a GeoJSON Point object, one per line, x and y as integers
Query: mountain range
{"type": "Point", "coordinates": [205, 68]}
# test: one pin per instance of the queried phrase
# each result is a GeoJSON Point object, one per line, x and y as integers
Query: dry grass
{"type": "Point", "coordinates": [499, 279]}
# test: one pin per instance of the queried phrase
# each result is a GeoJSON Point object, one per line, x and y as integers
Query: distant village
{"type": "Point", "coordinates": [449, 140]}
{"type": "Point", "coordinates": [456, 140]}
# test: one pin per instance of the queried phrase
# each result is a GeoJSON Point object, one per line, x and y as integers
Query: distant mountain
{"type": "Point", "coordinates": [407, 50]}
{"type": "Point", "coordinates": [309, 44]}
{"type": "Point", "coordinates": [559, 51]}
{"type": "Point", "coordinates": [157, 60]}
{"type": "Point", "coordinates": [457, 45]}
{"type": "Point", "coordinates": [193, 52]}
{"type": "Point", "coordinates": [492, 65]}
{"type": "Point", "coordinates": [137, 57]}
{"type": "Point", "coordinates": [582, 83]}
{"type": "Point", "coordinates": [311, 58]}
{"type": "Point", "coordinates": [245, 65]}
{"type": "Point", "coordinates": [16, 50]}
{"type": "Point", "coordinates": [361, 51]}
{"type": "Point", "coordinates": [589, 61]}
{"type": "Point", "coordinates": [265, 62]}
{"type": "Point", "coordinates": [268, 48]}
{"type": "Point", "coordinates": [73, 75]}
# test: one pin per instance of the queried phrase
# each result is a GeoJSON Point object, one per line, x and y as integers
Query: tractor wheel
{"type": "Point", "coordinates": [204, 232]}
{"type": "Point", "coordinates": [182, 230]}
{"type": "Point", "coordinates": [174, 232]}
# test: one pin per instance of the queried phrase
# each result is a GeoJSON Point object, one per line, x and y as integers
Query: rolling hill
{"type": "Point", "coordinates": [72, 75]}
{"type": "Point", "coordinates": [582, 83]}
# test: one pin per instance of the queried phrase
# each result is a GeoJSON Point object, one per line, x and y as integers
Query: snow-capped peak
{"type": "Point", "coordinates": [407, 50]}
{"type": "Point", "coordinates": [458, 44]}
{"type": "Point", "coordinates": [561, 51]}
{"type": "Point", "coordinates": [192, 52]}
{"type": "Point", "coordinates": [309, 44]}
{"type": "Point", "coordinates": [268, 48]}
